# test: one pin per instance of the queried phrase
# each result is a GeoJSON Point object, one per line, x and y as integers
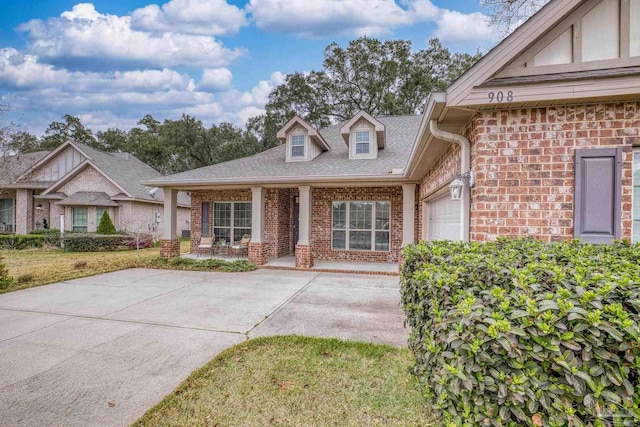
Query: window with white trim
{"type": "Point", "coordinates": [636, 196]}
{"type": "Point", "coordinates": [298, 146]}
{"type": "Point", "coordinates": [231, 220]}
{"type": "Point", "coordinates": [80, 219]}
{"type": "Point", "coordinates": [363, 142]}
{"type": "Point", "coordinates": [361, 226]}
{"type": "Point", "coordinates": [7, 220]}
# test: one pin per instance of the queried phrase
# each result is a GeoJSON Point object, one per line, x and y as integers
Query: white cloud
{"type": "Point", "coordinates": [206, 17]}
{"type": "Point", "coordinates": [216, 79]}
{"type": "Point", "coordinates": [87, 37]}
{"type": "Point", "coordinates": [459, 28]}
{"type": "Point", "coordinates": [346, 17]}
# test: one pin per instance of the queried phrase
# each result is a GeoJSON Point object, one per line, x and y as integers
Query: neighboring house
{"type": "Point", "coordinates": [536, 139]}
{"type": "Point", "coordinates": [82, 183]}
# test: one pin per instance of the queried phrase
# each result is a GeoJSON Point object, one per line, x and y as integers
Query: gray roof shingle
{"type": "Point", "coordinates": [88, 198]}
{"type": "Point", "coordinates": [401, 133]}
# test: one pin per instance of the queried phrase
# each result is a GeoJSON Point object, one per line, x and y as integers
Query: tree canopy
{"type": "Point", "coordinates": [507, 15]}
{"type": "Point", "coordinates": [379, 77]}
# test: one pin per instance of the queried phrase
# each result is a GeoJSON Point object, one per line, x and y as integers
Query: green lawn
{"type": "Point", "coordinates": [297, 381]}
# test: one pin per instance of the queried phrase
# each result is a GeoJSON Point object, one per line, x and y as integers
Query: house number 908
{"type": "Point", "coordinates": [500, 96]}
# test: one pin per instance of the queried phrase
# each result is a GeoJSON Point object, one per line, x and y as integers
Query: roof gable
{"type": "Point", "coordinates": [311, 132]}
{"type": "Point", "coordinates": [378, 127]}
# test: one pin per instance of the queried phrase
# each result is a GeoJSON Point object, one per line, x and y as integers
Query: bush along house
{"type": "Point", "coordinates": [536, 139]}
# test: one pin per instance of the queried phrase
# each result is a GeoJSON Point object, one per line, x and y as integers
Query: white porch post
{"type": "Point", "coordinates": [257, 214]}
{"type": "Point", "coordinates": [408, 213]}
{"type": "Point", "coordinates": [170, 214]}
{"type": "Point", "coordinates": [305, 215]}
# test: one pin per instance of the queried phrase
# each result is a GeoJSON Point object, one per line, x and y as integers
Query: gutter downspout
{"type": "Point", "coordinates": [465, 166]}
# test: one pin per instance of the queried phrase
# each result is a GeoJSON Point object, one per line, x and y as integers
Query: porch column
{"type": "Point", "coordinates": [408, 213]}
{"type": "Point", "coordinates": [170, 244]}
{"type": "Point", "coordinates": [304, 259]}
{"type": "Point", "coordinates": [257, 246]}
{"type": "Point", "coordinates": [24, 211]}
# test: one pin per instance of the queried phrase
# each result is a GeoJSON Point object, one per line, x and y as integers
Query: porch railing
{"type": "Point", "coordinates": [7, 228]}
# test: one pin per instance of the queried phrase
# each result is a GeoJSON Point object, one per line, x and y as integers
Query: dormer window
{"type": "Point", "coordinates": [363, 142]}
{"type": "Point", "coordinates": [297, 146]}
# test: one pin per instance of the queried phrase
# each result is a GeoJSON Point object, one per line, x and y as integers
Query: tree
{"type": "Point", "coordinates": [379, 77]}
{"type": "Point", "coordinates": [23, 142]}
{"type": "Point", "coordinates": [106, 225]}
{"type": "Point", "coordinates": [70, 129]}
{"type": "Point", "coordinates": [507, 15]}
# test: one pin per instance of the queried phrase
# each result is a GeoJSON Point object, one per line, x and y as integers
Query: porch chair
{"type": "Point", "coordinates": [241, 247]}
{"type": "Point", "coordinates": [206, 243]}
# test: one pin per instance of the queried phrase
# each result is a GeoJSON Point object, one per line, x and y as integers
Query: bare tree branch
{"type": "Point", "coordinates": [507, 15]}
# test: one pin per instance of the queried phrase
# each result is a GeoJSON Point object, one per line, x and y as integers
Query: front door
{"type": "Point", "coordinates": [296, 223]}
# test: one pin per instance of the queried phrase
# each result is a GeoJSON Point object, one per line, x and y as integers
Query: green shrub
{"type": "Point", "coordinates": [87, 242]}
{"type": "Point", "coordinates": [106, 225]}
{"type": "Point", "coordinates": [5, 279]}
{"type": "Point", "coordinates": [45, 231]}
{"type": "Point", "coordinates": [178, 263]}
{"type": "Point", "coordinates": [520, 332]}
{"type": "Point", "coordinates": [22, 241]}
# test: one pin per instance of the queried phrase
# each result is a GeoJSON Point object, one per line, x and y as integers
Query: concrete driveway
{"type": "Point", "coordinates": [100, 351]}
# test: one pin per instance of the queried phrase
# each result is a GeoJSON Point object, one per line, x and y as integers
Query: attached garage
{"type": "Point", "coordinates": [443, 218]}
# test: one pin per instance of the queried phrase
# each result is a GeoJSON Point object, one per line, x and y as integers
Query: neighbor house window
{"type": "Point", "coordinates": [362, 226]}
{"type": "Point", "coordinates": [80, 216]}
{"type": "Point", "coordinates": [231, 220]}
{"type": "Point", "coordinates": [636, 196]}
{"type": "Point", "coordinates": [363, 142]}
{"type": "Point", "coordinates": [205, 220]}
{"type": "Point", "coordinates": [99, 213]}
{"type": "Point", "coordinates": [7, 221]}
{"type": "Point", "coordinates": [297, 145]}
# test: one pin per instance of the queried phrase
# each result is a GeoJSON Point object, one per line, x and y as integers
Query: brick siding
{"type": "Point", "coordinates": [170, 248]}
{"type": "Point", "coordinates": [523, 160]}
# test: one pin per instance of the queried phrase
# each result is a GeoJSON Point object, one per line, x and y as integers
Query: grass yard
{"type": "Point", "coordinates": [35, 267]}
{"type": "Point", "coordinates": [297, 381]}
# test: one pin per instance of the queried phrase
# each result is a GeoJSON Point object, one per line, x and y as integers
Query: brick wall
{"type": "Point", "coordinates": [321, 222]}
{"type": "Point", "coordinates": [523, 161]}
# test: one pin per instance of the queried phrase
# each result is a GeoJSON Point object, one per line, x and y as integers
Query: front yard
{"type": "Point", "coordinates": [298, 381]}
{"type": "Point", "coordinates": [35, 267]}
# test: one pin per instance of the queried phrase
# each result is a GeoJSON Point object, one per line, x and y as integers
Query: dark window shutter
{"type": "Point", "coordinates": [597, 196]}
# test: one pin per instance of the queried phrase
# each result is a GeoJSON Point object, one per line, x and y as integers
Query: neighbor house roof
{"type": "Point", "coordinates": [88, 198]}
{"type": "Point", "coordinates": [271, 167]}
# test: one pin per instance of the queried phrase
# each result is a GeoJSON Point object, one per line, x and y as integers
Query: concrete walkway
{"type": "Point", "coordinates": [100, 351]}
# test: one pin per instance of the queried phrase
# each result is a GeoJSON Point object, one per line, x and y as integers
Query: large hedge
{"type": "Point", "coordinates": [520, 332]}
{"type": "Point", "coordinates": [87, 242]}
{"type": "Point", "coordinates": [28, 241]}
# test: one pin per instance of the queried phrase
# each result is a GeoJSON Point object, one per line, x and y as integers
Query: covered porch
{"type": "Point", "coordinates": [291, 227]}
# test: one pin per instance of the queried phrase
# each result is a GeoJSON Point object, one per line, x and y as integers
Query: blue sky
{"type": "Point", "coordinates": [112, 62]}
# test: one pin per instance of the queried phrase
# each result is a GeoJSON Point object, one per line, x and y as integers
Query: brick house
{"type": "Point", "coordinates": [81, 183]}
{"type": "Point", "coordinates": [536, 139]}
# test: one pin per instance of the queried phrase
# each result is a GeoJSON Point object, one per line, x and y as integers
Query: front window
{"type": "Point", "coordinates": [363, 142]}
{"type": "Point", "coordinates": [80, 216]}
{"type": "Point", "coordinates": [231, 220]}
{"type": "Point", "coordinates": [297, 145]}
{"type": "Point", "coordinates": [636, 196]}
{"type": "Point", "coordinates": [362, 226]}
{"type": "Point", "coordinates": [205, 219]}
{"type": "Point", "coordinates": [7, 222]}
{"type": "Point", "coordinates": [99, 213]}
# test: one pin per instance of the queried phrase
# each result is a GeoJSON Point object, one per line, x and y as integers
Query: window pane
{"type": "Point", "coordinates": [222, 234]}
{"type": "Point", "coordinates": [339, 239]}
{"type": "Point", "coordinates": [382, 240]}
{"type": "Point", "coordinates": [339, 215]}
{"type": "Point", "coordinates": [362, 148]}
{"type": "Point", "coordinates": [242, 215]}
{"type": "Point", "coordinates": [360, 215]}
{"type": "Point", "coordinates": [99, 213]}
{"type": "Point", "coordinates": [6, 212]}
{"type": "Point", "coordinates": [297, 151]}
{"type": "Point", "coordinates": [238, 233]}
{"type": "Point", "coordinates": [222, 214]}
{"type": "Point", "coordinates": [297, 140]}
{"type": "Point", "coordinates": [362, 136]}
{"type": "Point", "coordinates": [382, 215]}
{"type": "Point", "coordinates": [80, 216]}
{"type": "Point", "coordinates": [205, 218]}
{"type": "Point", "coordinates": [360, 240]}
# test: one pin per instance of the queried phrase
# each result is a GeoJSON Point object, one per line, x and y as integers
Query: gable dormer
{"type": "Point", "coordinates": [596, 35]}
{"type": "Point", "coordinates": [56, 164]}
{"type": "Point", "coordinates": [364, 135]}
{"type": "Point", "coordinates": [303, 142]}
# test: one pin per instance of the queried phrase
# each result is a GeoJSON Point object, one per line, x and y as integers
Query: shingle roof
{"type": "Point", "coordinates": [88, 198]}
{"type": "Point", "coordinates": [128, 172]}
{"type": "Point", "coordinates": [271, 164]}
{"type": "Point", "coordinates": [13, 166]}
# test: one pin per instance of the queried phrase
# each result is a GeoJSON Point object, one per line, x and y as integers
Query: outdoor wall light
{"type": "Point", "coordinates": [459, 182]}
{"type": "Point", "coordinates": [39, 207]}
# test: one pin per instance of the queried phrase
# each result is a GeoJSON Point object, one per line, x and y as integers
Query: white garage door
{"type": "Point", "coordinates": [444, 218]}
